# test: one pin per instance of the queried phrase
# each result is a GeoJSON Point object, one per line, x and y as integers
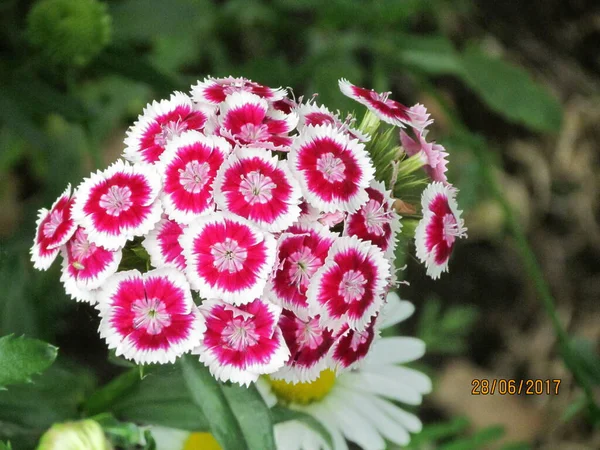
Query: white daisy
{"type": "Point", "coordinates": [359, 405]}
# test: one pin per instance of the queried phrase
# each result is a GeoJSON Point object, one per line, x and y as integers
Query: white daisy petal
{"type": "Point", "coordinates": [396, 350]}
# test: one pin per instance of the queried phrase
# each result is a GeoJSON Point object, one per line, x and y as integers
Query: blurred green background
{"type": "Point", "coordinates": [513, 87]}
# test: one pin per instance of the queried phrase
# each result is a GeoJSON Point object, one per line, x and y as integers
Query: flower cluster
{"type": "Point", "coordinates": [264, 242]}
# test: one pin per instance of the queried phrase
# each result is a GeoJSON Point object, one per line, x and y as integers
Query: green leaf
{"type": "Point", "coordinates": [510, 91]}
{"type": "Point", "coordinates": [434, 55]}
{"type": "Point", "coordinates": [4, 446]}
{"type": "Point", "coordinates": [587, 362]}
{"type": "Point", "coordinates": [438, 431]}
{"type": "Point", "coordinates": [281, 414]}
{"type": "Point", "coordinates": [125, 435]}
{"type": "Point", "coordinates": [479, 440]}
{"type": "Point", "coordinates": [237, 416]}
{"type": "Point", "coordinates": [22, 357]}
{"type": "Point", "coordinates": [161, 398]}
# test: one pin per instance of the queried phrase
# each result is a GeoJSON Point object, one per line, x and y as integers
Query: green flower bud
{"type": "Point", "coordinates": [69, 32]}
{"type": "Point", "coordinates": [82, 435]}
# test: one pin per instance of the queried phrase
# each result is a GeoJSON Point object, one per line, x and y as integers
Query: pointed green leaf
{"type": "Point", "coordinates": [22, 357]}
{"type": "Point", "coordinates": [281, 414]}
{"type": "Point", "coordinates": [510, 91]}
{"type": "Point", "coordinates": [238, 417]}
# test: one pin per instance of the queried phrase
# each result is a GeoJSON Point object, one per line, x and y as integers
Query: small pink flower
{"type": "Point", "coordinates": [53, 229]}
{"type": "Point", "coordinates": [434, 155]}
{"type": "Point", "coordinates": [312, 115]}
{"type": "Point", "coordinates": [115, 205]}
{"type": "Point", "coordinates": [301, 251]}
{"type": "Point", "coordinates": [150, 317]}
{"type": "Point", "coordinates": [86, 266]}
{"type": "Point", "coordinates": [256, 185]}
{"type": "Point", "coordinates": [189, 166]}
{"type": "Point", "coordinates": [162, 244]}
{"type": "Point", "coordinates": [241, 342]}
{"type": "Point", "coordinates": [333, 169]}
{"type": "Point", "coordinates": [309, 345]}
{"type": "Point", "coordinates": [348, 289]}
{"type": "Point", "coordinates": [215, 90]}
{"type": "Point", "coordinates": [376, 221]}
{"type": "Point", "coordinates": [246, 119]}
{"type": "Point", "coordinates": [227, 257]}
{"type": "Point", "coordinates": [352, 346]}
{"type": "Point", "coordinates": [159, 123]}
{"type": "Point", "coordinates": [439, 228]}
{"type": "Point", "coordinates": [389, 111]}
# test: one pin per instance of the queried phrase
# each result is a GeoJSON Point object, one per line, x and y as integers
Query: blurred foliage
{"type": "Point", "coordinates": [74, 77]}
{"type": "Point", "coordinates": [22, 357]}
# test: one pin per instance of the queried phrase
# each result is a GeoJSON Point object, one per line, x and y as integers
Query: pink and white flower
{"type": "Point", "coordinates": [352, 346]}
{"type": "Point", "coordinates": [215, 90]}
{"type": "Point", "coordinates": [189, 166]}
{"type": "Point", "coordinates": [115, 205]}
{"type": "Point", "coordinates": [389, 111]}
{"type": "Point", "coordinates": [348, 289]}
{"type": "Point", "coordinates": [241, 342]}
{"type": "Point", "coordinates": [432, 154]}
{"type": "Point", "coordinates": [227, 257]}
{"type": "Point", "coordinates": [439, 228]}
{"type": "Point", "coordinates": [86, 266]}
{"type": "Point", "coordinates": [312, 115]}
{"type": "Point", "coordinates": [301, 251]}
{"type": "Point", "coordinates": [53, 229]}
{"type": "Point", "coordinates": [159, 123]}
{"type": "Point", "coordinates": [376, 221]}
{"type": "Point", "coordinates": [256, 185]}
{"type": "Point", "coordinates": [150, 317]}
{"type": "Point", "coordinates": [309, 343]}
{"type": "Point", "coordinates": [334, 170]}
{"type": "Point", "coordinates": [247, 120]}
{"type": "Point", "coordinates": [162, 244]}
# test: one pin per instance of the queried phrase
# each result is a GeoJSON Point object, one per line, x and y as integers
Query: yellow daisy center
{"type": "Point", "coordinates": [201, 441]}
{"type": "Point", "coordinates": [304, 393]}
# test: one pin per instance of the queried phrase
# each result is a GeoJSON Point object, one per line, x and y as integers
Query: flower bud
{"type": "Point", "coordinates": [82, 435]}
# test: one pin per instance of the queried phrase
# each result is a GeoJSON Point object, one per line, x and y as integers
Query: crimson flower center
{"type": "Point", "coordinates": [168, 131]}
{"type": "Point", "coordinates": [150, 314]}
{"type": "Point", "coordinates": [303, 265]}
{"type": "Point", "coordinates": [116, 200]}
{"type": "Point", "coordinates": [194, 176]}
{"type": "Point", "coordinates": [50, 227]}
{"type": "Point", "coordinates": [376, 217]}
{"type": "Point", "coordinates": [331, 167]}
{"type": "Point", "coordinates": [352, 286]}
{"type": "Point", "coordinates": [228, 256]}
{"type": "Point", "coordinates": [452, 229]}
{"type": "Point", "coordinates": [250, 132]}
{"type": "Point", "coordinates": [309, 334]}
{"type": "Point", "coordinates": [240, 334]}
{"type": "Point", "coordinates": [358, 339]}
{"type": "Point", "coordinates": [81, 249]}
{"type": "Point", "coordinates": [257, 188]}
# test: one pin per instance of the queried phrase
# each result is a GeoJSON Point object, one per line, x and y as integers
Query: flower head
{"type": "Point", "coordinates": [376, 221]}
{"type": "Point", "coordinates": [54, 227]}
{"type": "Point", "coordinates": [160, 122]}
{"type": "Point", "coordinates": [348, 289]}
{"type": "Point", "coordinates": [388, 110]}
{"type": "Point", "coordinates": [256, 185]}
{"type": "Point", "coordinates": [301, 251]}
{"type": "Point", "coordinates": [434, 155]}
{"type": "Point", "coordinates": [189, 166]}
{"type": "Point", "coordinates": [162, 244]}
{"type": "Point", "coordinates": [241, 342]}
{"type": "Point", "coordinates": [150, 317]}
{"type": "Point", "coordinates": [439, 228]}
{"type": "Point", "coordinates": [215, 90]}
{"type": "Point", "coordinates": [118, 204]}
{"type": "Point", "coordinates": [312, 115]}
{"type": "Point", "coordinates": [86, 266]}
{"type": "Point", "coordinates": [309, 343]}
{"type": "Point", "coordinates": [247, 120]}
{"type": "Point", "coordinates": [333, 169]}
{"type": "Point", "coordinates": [227, 257]}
